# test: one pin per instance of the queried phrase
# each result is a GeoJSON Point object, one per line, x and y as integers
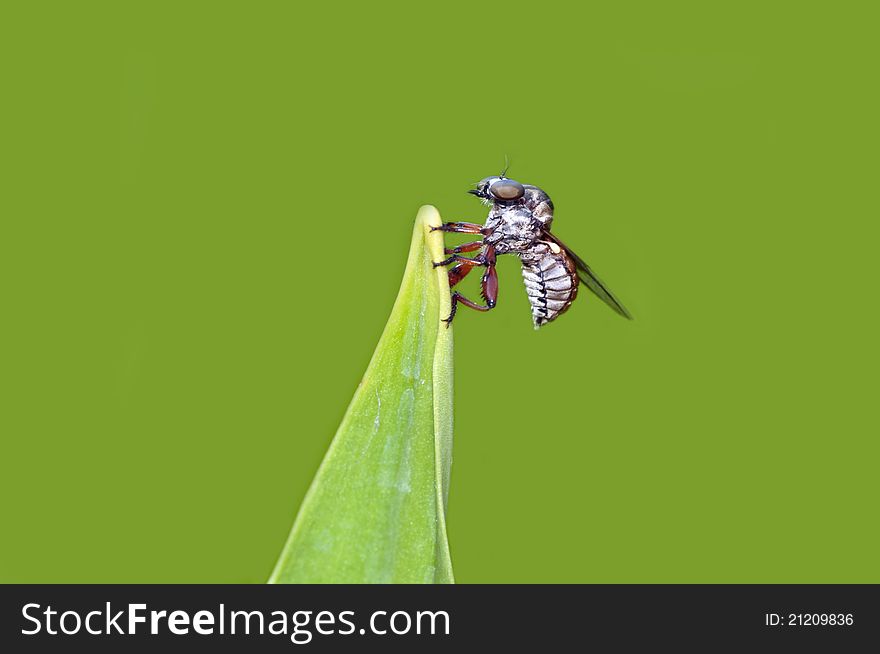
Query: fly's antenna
{"type": "Point", "coordinates": [503, 174]}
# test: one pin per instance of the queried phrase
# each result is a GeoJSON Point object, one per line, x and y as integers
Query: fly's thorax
{"type": "Point", "coordinates": [539, 204]}
{"type": "Point", "coordinates": [513, 228]}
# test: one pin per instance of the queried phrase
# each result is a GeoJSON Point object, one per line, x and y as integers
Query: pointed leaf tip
{"type": "Point", "coordinates": [375, 512]}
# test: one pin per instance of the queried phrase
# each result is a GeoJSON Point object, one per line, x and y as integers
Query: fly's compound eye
{"type": "Point", "coordinates": [507, 190]}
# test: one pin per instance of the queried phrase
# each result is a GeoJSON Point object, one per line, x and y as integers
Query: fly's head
{"type": "Point", "coordinates": [499, 190]}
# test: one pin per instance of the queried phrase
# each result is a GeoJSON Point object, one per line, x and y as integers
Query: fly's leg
{"type": "Point", "coordinates": [458, 297]}
{"type": "Point", "coordinates": [464, 265]}
{"type": "Point", "coordinates": [460, 228]}
{"type": "Point", "coordinates": [476, 261]}
{"type": "Point", "coordinates": [458, 272]}
{"type": "Point", "coordinates": [489, 284]}
{"type": "Point", "coordinates": [464, 247]}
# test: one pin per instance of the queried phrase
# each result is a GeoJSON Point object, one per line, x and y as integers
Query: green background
{"type": "Point", "coordinates": [206, 210]}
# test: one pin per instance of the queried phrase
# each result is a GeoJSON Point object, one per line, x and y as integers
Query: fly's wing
{"type": "Point", "coordinates": [588, 277]}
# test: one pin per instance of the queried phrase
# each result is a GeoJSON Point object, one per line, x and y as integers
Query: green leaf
{"type": "Point", "coordinates": [375, 512]}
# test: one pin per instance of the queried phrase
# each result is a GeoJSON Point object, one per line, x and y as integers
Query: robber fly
{"type": "Point", "coordinates": [519, 222]}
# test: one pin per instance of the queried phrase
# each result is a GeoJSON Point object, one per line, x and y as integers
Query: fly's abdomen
{"type": "Point", "coordinates": [551, 281]}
